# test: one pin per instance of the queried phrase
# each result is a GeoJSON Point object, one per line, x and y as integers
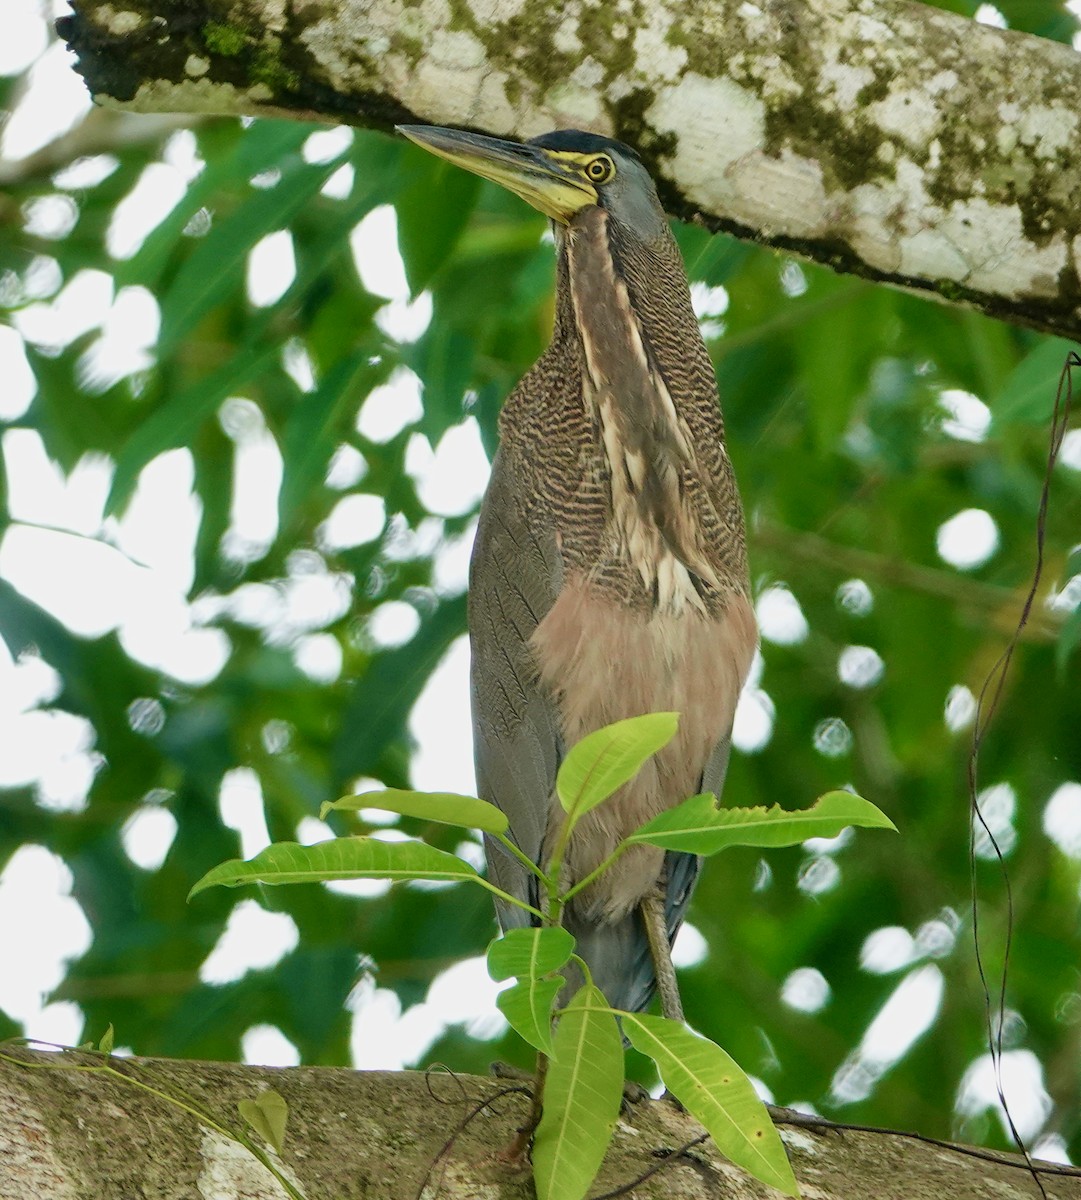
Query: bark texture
{"type": "Point", "coordinates": [880, 137]}
{"type": "Point", "coordinates": [68, 1132]}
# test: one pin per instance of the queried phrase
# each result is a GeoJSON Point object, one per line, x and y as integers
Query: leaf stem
{"type": "Point", "coordinates": [520, 855]}
{"type": "Point", "coordinates": [536, 912]}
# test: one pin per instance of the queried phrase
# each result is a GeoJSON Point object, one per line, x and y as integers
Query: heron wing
{"type": "Point", "coordinates": [515, 578]}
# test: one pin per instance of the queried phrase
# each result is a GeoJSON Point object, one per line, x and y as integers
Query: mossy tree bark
{"type": "Point", "coordinates": [68, 1129]}
{"type": "Point", "coordinates": [881, 137]}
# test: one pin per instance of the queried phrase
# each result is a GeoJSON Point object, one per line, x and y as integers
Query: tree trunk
{"type": "Point", "coordinates": [76, 1126]}
{"type": "Point", "coordinates": [880, 137]}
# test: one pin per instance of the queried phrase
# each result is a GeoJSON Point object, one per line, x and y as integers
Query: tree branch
{"type": "Point", "coordinates": [70, 1128]}
{"type": "Point", "coordinates": [887, 139]}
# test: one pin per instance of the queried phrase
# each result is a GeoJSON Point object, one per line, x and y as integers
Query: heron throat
{"type": "Point", "coordinates": [646, 440]}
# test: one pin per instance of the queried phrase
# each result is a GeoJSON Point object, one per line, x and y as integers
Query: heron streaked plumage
{"type": "Point", "coordinates": [609, 574]}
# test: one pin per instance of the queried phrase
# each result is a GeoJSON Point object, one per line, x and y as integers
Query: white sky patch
{"type": "Point", "coordinates": [272, 267]}
{"type": "Point", "coordinates": [257, 478]}
{"type": "Point", "coordinates": [450, 568]}
{"type": "Point", "coordinates": [450, 481]}
{"type": "Point", "coordinates": [1062, 819]}
{"type": "Point", "coordinates": [806, 990]}
{"type": "Point", "coordinates": [298, 364]}
{"type": "Point", "coordinates": [937, 938]}
{"type": "Point", "coordinates": [393, 624]}
{"type": "Point", "coordinates": [780, 618]}
{"type": "Point", "coordinates": [1022, 1083]}
{"type": "Point", "coordinates": [818, 875]}
{"type": "Point", "coordinates": [1069, 454]}
{"type": "Point", "coordinates": [127, 340]}
{"type": "Point", "coordinates": [267, 1046]}
{"type": "Point", "coordinates": [860, 667]}
{"type": "Point", "coordinates": [391, 407]}
{"type": "Point", "coordinates": [960, 710]}
{"type": "Point", "coordinates": [310, 831]}
{"type": "Point", "coordinates": [887, 949]}
{"type": "Point", "coordinates": [147, 836]}
{"type": "Point", "coordinates": [25, 36]}
{"type": "Point", "coordinates": [240, 801]}
{"type": "Point", "coordinates": [405, 321]}
{"type": "Point", "coordinates": [80, 306]}
{"type": "Point", "coordinates": [55, 99]}
{"type": "Point", "coordinates": [253, 940]}
{"type": "Point", "coordinates": [50, 217]}
{"type": "Point", "coordinates": [997, 805]}
{"type": "Point", "coordinates": [908, 1014]}
{"type": "Point", "coordinates": [86, 172]}
{"type": "Point", "coordinates": [347, 468]}
{"type": "Point", "coordinates": [967, 540]}
{"type": "Point", "coordinates": [60, 1023]}
{"type": "Point", "coordinates": [353, 521]}
{"type": "Point", "coordinates": [379, 264]}
{"type": "Point", "coordinates": [35, 881]}
{"type": "Point", "coordinates": [441, 724]}
{"type": "Point", "coordinates": [966, 417]}
{"type": "Point", "coordinates": [319, 656]}
{"type": "Point", "coordinates": [690, 947]}
{"type": "Point", "coordinates": [987, 14]}
{"type": "Point", "coordinates": [830, 845]}
{"type": "Point", "coordinates": [855, 598]}
{"type": "Point", "coordinates": [832, 738]}
{"type": "Point", "coordinates": [340, 184]}
{"type": "Point", "coordinates": [40, 494]}
{"type": "Point", "coordinates": [755, 711]}
{"type": "Point", "coordinates": [157, 191]}
{"type": "Point", "coordinates": [325, 145]}
{"type": "Point", "coordinates": [161, 522]}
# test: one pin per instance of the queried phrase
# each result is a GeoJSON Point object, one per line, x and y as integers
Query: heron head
{"type": "Point", "coordinates": [561, 174]}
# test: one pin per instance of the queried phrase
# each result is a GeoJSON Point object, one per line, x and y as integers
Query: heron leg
{"type": "Point", "coordinates": [660, 949]}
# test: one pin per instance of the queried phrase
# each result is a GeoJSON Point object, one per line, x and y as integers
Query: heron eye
{"type": "Point", "coordinates": [600, 170]}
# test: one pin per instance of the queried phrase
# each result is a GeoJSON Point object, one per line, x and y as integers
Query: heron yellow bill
{"type": "Point", "coordinates": [555, 188]}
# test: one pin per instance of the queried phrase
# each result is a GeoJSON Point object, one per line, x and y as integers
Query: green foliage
{"type": "Point", "coordinates": [267, 1114]}
{"type": "Point", "coordinates": [602, 762]}
{"type": "Point", "coordinates": [582, 1095]}
{"type": "Point", "coordinates": [445, 807]}
{"type": "Point", "coordinates": [532, 956]}
{"type": "Point", "coordinates": [342, 858]}
{"type": "Point", "coordinates": [833, 400]}
{"type": "Point", "coordinates": [580, 1073]}
{"type": "Point", "coordinates": [716, 1092]}
{"type": "Point", "coordinates": [698, 826]}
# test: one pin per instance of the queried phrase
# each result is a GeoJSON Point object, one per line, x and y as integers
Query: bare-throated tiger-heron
{"type": "Point", "coordinates": [609, 574]}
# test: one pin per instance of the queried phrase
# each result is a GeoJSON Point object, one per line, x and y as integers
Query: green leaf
{"type": "Point", "coordinates": [582, 1095]}
{"type": "Point", "coordinates": [107, 1040]}
{"type": "Point", "coordinates": [530, 953]}
{"type": "Point", "coordinates": [384, 695]}
{"type": "Point", "coordinates": [428, 233]}
{"type": "Point", "coordinates": [447, 807]}
{"type": "Point", "coordinates": [340, 858]}
{"type": "Point", "coordinates": [605, 760]}
{"type": "Point", "coordinates": [214, 267]}
{"type": "Point", "coordinates": [528, 1009]}
{"type": "Point", "coordinates": [176, 421]}
{"type": "Point", "coordinates": [1028, 394]}
{"type": "Point", "coordinates": [714, 1090]}
{"type": "Point", "coordinates": [318, 423]}
{"type": "Point", "coordinates": [267, 1115]}
{"type": "Point", "coordinates": [264, 144]}
{"type": "Point", "coordinates": [700, 827]}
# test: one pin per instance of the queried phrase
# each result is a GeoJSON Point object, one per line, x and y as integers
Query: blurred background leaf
{"type": "Point", "coordinates": [250, 377]}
